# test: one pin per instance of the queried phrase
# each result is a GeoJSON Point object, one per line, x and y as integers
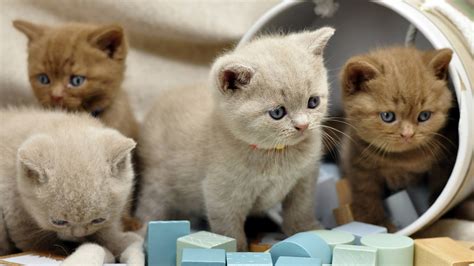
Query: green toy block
{"type": "Point", "coordinates": [204, 240]}
{"type": "Point", "coordinates": [350, 255]}
{"type": "Point", "coordinates": [334, 238]}
{"type": "Point", "coordinates": [391, 249]}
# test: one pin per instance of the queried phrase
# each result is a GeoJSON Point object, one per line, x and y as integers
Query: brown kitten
{"type": "Point", "coordinates": [80, 67]}
{"type": "Point", "coordinates": [397, 102]}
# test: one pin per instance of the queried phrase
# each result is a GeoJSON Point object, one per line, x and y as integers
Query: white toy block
{"type": "Point", "coordinates": [401, 209]}
{"type": "Point", "coordinates": [359, 229]}
{"type": "Point", "coordinates": [326, 197]}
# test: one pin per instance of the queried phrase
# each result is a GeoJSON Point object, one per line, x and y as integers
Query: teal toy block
{"type": "Point", "coordinates": [300, 261]}
{"type": "Point", "coordinates": [161, 239]}
{"type": "Point", "coordinates": [350, 255]}
{"type": "Point", "coordinates": [203, 257]}
{"type": "Point", "coordinates": [206, 240]}
{"type": "Point", "coordinates": [391, 249]}
{"type": "Point", "coordinates": [249, 259]}
{"type": "Point", "coordinates": [305, 244]}
{"type": "Point", "coordinates": [359, 230]}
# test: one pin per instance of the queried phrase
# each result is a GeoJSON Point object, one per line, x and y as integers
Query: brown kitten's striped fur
{"type": "Point", "coordinates": [376, 154]}
{"type": "Point", "coordinates": [96, 52]}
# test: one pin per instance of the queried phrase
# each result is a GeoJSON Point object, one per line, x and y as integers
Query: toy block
{"type": "Point", "coordinates": [300, 261]}
{"type": "Point", "coordinates": [420, 197]}
{"type": "Point", "coordinates": [326, 196]}
{"type": "Point", "coordinates": [305, 244]}
{"type": "Point", "coordinates": [344, 192]}
{"type": "Point", "coordinates": [401, 209]}
{"type": "Point", "coordinates": [442, 251]}
{"type": "Point", "coordinates": [346, 255]}
{"type": "Point", "coordinates": [391, 249]}
{"type": "Point", "coordinates": [249, 259]}
{"type": "Point", "coordinates": [205, 240]}
{"type": "Point", "coordinates": [343, 214]}
{"type": "Point", "coordinates": [203, 257]}
{"type": "Point", "coordinates": [161, 239]}
{"type": "Point", "coordinates": [334, 238]}
{"type": "Point", "coordinates": [259, 247]}
{"type": "Point", "coordinates": [359, 230]}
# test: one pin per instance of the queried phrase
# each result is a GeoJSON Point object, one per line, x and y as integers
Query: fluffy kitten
{"type": "Point", "coordinates": [249, 142]}
{"type": "Point", "coordinates": [80, 67]}
{"type": "Point", "coordinates": [63, 178]}
{"type": "Point", "coordinates": [397, 101]}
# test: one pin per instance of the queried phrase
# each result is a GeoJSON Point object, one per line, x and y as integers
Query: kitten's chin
{"type": "Point", "coordinates": [67, 237]}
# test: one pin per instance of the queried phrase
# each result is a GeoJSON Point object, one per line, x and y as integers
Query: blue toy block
{"type": "Point", "coordinates": [203, 257]}
{"type": "Point", "coordinates": [350, 255]}
{"type": "Point", "coordinates": [305, 244]}
{"type": "Point", "coordinates": [161, 239]}
{"type": "Point", "coordinates": [359, 230]}
{"type": "Point", "coordinates": [292, 261]}
{"type": "Point", "coordinates": [249, 259]}
{"type": "Point", "coordinates": [203, 239]}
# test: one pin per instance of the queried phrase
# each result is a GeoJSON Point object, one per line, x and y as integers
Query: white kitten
{"type": "Point", "coordinates": [63, 178]}
{"type": "Point", "coordinates": [249, 142]}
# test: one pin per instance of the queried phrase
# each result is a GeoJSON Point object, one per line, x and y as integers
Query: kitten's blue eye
{"type": "Point", "coordinates": [98, 221]}
{"type": "Point", "coordinates": [424, 116]}
{"type": "Point", "coordinates": [76, 80]}
{"type": "Point", "coordinates": [278, 113]}
{"type": "Point", "coordinates": [43, 79]}
{"type": "Point", "coordinates": [313, 102]}
{"type": "Point", "coordinates": [59, 222]}
{"type": "Point", "coordinates": [387, 117]}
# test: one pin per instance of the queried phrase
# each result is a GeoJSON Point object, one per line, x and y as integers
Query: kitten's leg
{"type": "Point", "coordinates": [227, 209]}
{"type": "Point", "coordinates": [128, 246]}
{"type": "Point", "coordinates": [89, 254]}
{"type": "Point", "coordinates": [5, 245]}
{"type": "Point", "coordinates": [299, 207]}
{"type": "Point", "coordinates": [153, 199]}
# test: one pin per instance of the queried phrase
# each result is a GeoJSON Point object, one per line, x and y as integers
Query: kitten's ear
{"type": "Point", "coordinates": [33, 158]}
{"type": "Point", "coordinates": [117, 148]}
{"type": "Point", "coordinates": [32, 31]}
{"type": "Point", "coordinates": [111, 40]}
{"type": "Point", "coordinates": [438, 60]}
{"type": "Point", "coordinates": [316, 40]}
{"type": "Point", "coordinates": [356, 73]}
{"type": "Point", "coordinates": [233, 76]}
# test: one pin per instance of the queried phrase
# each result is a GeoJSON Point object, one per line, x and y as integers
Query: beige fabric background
{"type": "Point", "coordinates": [172, 42]}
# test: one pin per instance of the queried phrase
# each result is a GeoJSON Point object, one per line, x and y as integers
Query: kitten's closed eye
{"type": "Point", "coordinates": [388, 117]}
{"type": "Point", "coordinates": [98, 221]}
{"type": "Point", "coordinates": [60, 223]}
{"type": "Point", "coordinates": [43, 79]}
{"type": "Point", "coordinates": [76, 80]}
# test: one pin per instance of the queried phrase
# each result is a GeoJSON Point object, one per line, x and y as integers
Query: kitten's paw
{"type": "Point", "coordinates": [87, 254]}
{"type": "Point", "coordinates": [133, 254]}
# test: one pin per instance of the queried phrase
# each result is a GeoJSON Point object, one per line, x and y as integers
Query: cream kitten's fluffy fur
{"type": "Point", "coordinates": [197, 143]}
{"type": "Point", "coordinates": [63, 177]}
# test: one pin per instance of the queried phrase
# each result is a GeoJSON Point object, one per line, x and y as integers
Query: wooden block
{"type": "Point", "coordinates": [467, 244]}
{"type": "Point", "coordinates": [359, 229]}
{"type": "Point", "coordinates": [161, 241]}
{"type": "Point", "coordinates": [203, 257]}
{"type": "Point", "coordinates": [334, 238]}
{"type": "Point", "coordinates": [345, 255]}
{"type": "Point", "coordinates": [204, 240]}
{"type": "Point", "coordinates": [249, 259]}
{"type": "Point", "coordinates": [401, 209]}
{"type": "Point", "coordinates": [391, 249]}
{"type": "Point", "coordinates": [441, 251]}
{"type": "Point", "coordinates": [344, 193]}
{"type": "Point", "coordinates": [343, 214]}
{"type": "Point", "coordinates": [300, 261]}
{"type": "Point", "coordinates": [259, 247]}
{"type": "Point", "coordinates": [305, 244]}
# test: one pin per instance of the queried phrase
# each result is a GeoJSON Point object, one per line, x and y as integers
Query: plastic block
{"type": "Point", "coordinates": [391, 249]}
{"type": "Point", "coordinates": [442, 251]}
{"type": "Point", "coordinates": [203, 257]}
{"type": "Point", "coordinates": [206, 240]}
{"type": "Point", "coordinates": [292, 261]}
{"type": "Point", "coordinates": [326, 196]}
{"type": "Point", "coordinates": [350, 255]}
{"type": "Point", "coordinates": [359, 229]}
{"type": "Point", "coordinates": [334, 238]}
{"type": "Point", "coordinates": [161, 239]}
{"type": "Point", "coordinates": [401, 209]}
{"type": "Point", "coordinates": [305, 244]}
{"type": "Point", "coordinates": [249, 259]}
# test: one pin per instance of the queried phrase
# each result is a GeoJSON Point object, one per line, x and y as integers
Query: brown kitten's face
{"type": "Point", "coordinates": [396, 100]}
{"type": "Point", "coordinates": [76, 67]}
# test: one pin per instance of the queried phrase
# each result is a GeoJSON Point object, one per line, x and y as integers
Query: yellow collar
{"type": "Point", "coordinates": [278, 147]}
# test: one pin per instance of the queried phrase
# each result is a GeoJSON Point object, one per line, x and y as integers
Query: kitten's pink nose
{"type": "Point", "coordinates": [407, 135]}
{"type": "Point", "coordinates": [301, 127]}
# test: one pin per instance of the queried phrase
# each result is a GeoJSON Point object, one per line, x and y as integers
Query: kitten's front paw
{"type": "Point", "coordinates": [87, 254]}
{"type": "Point", "coordinates": [133, 254]}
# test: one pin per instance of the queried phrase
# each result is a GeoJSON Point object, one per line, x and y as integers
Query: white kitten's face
{"type": "Point", "coordinates": [75, 187]}
{"type": "Point", "coordinates": [273, 92]}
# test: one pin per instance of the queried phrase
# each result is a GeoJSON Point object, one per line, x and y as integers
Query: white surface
{"type": "Point", "coordinates": [38, 260]}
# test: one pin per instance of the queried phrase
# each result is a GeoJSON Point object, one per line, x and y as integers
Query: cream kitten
{"type": "Point", "coordinates": [63, 178]}
{"type": "Point", "coordinates": [249, 142]}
